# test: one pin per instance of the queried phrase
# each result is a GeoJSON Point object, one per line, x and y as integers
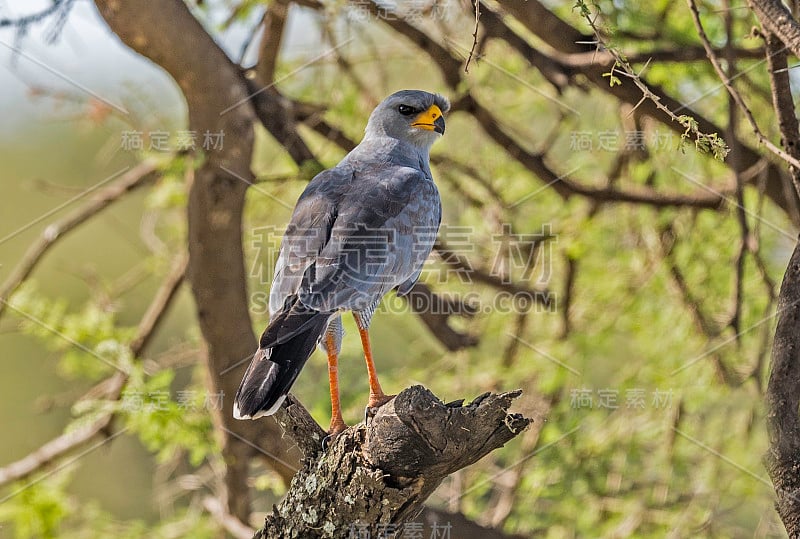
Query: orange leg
{"type": "Point", "coordinates": [376, 395]}
{"type": "Point", "coordinates": [337, 421]}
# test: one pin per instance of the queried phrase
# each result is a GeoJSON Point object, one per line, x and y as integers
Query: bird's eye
{"type": "Point", "coordinates": [405, 110]}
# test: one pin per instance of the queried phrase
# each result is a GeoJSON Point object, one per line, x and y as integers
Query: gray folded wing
{"type": "Point", "coordinates": [356, 235]}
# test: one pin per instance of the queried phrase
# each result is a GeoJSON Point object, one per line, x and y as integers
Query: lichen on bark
{"type": "Point", "coordinates": [378, 474]}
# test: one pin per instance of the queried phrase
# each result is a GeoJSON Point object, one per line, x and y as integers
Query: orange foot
{"type": "Point", "coordinates": [375, 402]}
{"type": "Point", "coordinates": [336, 428]}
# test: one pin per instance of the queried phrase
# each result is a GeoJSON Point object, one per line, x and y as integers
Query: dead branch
{"type": "Point", "coordinates": [275, 113]}
{"type": "Point", "coordinates": [378, 474]}
{"type": "Point", "coordinates": [301, 428]}
{"type": "Point", "coordinates": [462, 527]}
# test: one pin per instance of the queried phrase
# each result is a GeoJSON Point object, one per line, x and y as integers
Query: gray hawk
{"type": "Point", "coordinates": [358, 230]}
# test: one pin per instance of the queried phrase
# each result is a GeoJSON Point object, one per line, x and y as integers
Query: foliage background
{"type": "Point", "coordinates": [644, 297]}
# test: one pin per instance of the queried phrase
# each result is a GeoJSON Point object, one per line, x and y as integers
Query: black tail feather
{"type": "Point", "coordinates": [285, 346]}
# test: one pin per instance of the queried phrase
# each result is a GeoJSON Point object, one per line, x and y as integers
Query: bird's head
{"type": "Point", "coordinates": [413, 116]}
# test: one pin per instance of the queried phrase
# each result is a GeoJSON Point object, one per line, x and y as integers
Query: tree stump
{"type": "Point", "coordinates": [376, 475]}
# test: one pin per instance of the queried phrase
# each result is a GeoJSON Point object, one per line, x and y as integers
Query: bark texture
{"type": "Point", "coordinates": [783, 401]}
{"type": "Point", "coordinates": [782, 33]}
{"type": "Point", "coordinates": [377, 475]}
{"type": "Point", "coordinates": [217, 100]}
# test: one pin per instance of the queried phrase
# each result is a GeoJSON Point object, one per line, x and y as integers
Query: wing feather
{"type": "Point", "coordinates": [306, 234]}
{"type": "Point", "coordinates": [381, 237]}
{"type": "Point", "coordinates": [356, 235]}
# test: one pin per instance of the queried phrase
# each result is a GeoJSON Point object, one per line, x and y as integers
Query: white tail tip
{"type": "Point", "coordinates": [237, 414]}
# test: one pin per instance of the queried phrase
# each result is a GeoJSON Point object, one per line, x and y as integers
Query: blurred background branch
{"type": "Point", "coordinates": [593, 251]}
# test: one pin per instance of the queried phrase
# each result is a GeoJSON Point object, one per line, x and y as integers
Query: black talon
{"type": "Point", "coordinates": [370, 412]}
{"type": "Point", "coordinates": [326, 442]}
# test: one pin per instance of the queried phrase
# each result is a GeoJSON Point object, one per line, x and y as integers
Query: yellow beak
{"type": "Point", "coordinates": [431, 120]}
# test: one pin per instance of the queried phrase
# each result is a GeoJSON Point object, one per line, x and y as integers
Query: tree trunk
{"type": "Point", "coordinates": [783, 399]}
{"type": "Point", "coordinates": [167, 33]}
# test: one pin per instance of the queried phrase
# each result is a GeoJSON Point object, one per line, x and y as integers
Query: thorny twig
{"type": "Point", "coordinates": [735, 93]}
{"type": "Point", "coordinates": [474, 34]}
{"type": "Point", "coordinates": [703, 141]}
